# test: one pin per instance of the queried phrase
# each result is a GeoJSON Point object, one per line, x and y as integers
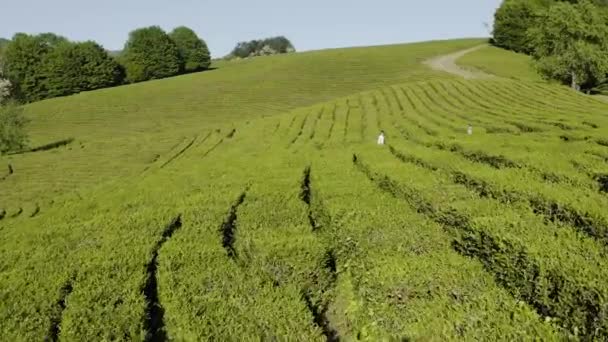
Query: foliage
{"type": "Point", "coordinates": [3, 42]}
{"type": "Point", "coordinates": [5, 90]}
{"type": "Point", "coordinates": [193, 51]}
{"type": "Point", "coordinates": [268, 46]}
{"type": "Point", "coordinates": [74, 67]}
{"type": "Point", "coordinates": [48, 65]}
{"type": "Point", "coordinates": [23, 58]}
{"type": "Point", "coordinates": [12, 129]}
{"type": "Point", "coordinates": [570, 44]}
{"type": "Point", "coordinates": [513, 19]}
{"type": "Point", "coordinates": [150, 54]}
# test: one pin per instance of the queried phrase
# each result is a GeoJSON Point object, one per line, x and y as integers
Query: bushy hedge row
{"type": "Point", "coordinates": [47, 65]}
{"type": "Point", "coordinates": [262, 47]}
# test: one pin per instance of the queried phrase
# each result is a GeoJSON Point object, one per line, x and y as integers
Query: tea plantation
{"type": "Point", "coordinates": [251, 202]}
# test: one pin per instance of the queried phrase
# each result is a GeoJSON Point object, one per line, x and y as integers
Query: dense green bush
{"type": "Point", "coordinates": [512, 20]}
{"type": "Point", "coordinates": [193, 51]}
{"type": "Point", "coordinates": [566, 37]}
{"type": "Point", "coordinates": [47, 65]}
{"type": "Point", "coordinates": [74, 67]}
{"type": "Point", "coordinates": [150, 54]}
{"type": "Point", "coordinates": [22, 60]}
{"type": "Point", "coordinates": [268, 46]}
{"type": "Point", "coordinates": [570, 44]}
{"type": "Point", "coordinates": [36, 67]}
{"type": "Point", "coordinates": [12, 133]}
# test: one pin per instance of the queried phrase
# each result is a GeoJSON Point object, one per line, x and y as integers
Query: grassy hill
{"type": "Point", "coordinates": [119, 132]}
{"type": "Point", "coordinates": [266, 211]}
{"type": "Point", "coordinates": [503, 63]}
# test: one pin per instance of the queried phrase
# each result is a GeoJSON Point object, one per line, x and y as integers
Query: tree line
{"type": "Point", "coordinates": [36, 67]}
{"type": "Point", "coordinates": [262, 47]}
{"type": "Point", "coordinates": [568, 39]}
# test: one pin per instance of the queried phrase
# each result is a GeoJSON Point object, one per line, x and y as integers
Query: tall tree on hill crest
{"type": "Point", "coordinates": [150, 54]}
{"type": "Point", "coordinates": [193, 51]}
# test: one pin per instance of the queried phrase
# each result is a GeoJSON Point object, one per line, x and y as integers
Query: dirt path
{"type": "Point", "coordinates": [447, 63]}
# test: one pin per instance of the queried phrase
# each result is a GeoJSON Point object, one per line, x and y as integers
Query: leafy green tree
{"type": "Point", "coordinates": [512, 21]}
{"type": "Point", "coordinates": [193, 51]}
{"type": "Point", "coordinates": [150, 54]}
{"type": "Point", "coordinates": [74, 67]}
{"type": "Point", "coordinates": [22, 60]}
{"type": "Point", "coordinates": [273, 45]}
{"type": "Point", "coordinates": [52, 39]}
{"type": "Point", "coordinates": [570, 43]}
{"type": "Point", "coordinates": [12, 129]}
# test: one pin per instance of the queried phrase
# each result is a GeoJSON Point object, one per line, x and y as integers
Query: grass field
{"type": "Point", "coordinates": [503, 63]}
{"type": "Point", "coordinates": [198, 208]}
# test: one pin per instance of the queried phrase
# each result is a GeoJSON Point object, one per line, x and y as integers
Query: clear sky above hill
{"type": "Point", "coordinates": [311, 24]}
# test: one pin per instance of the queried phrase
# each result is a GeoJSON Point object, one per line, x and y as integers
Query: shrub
{"type": "Point", "coordinates": [274, 45]}
{"type": "Point", "coordinates": [12, 132]}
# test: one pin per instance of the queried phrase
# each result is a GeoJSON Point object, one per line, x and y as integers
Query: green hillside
{"type": "Point", "coordinates": [503, 63]}
{"type": "Point", "coordinates": [119, 132]}
{"type": "Point", "coordinates": [252, 202]}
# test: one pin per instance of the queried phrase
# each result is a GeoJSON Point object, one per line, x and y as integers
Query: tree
{"type": "Point", "coordinates": [12, 132]}
{"type": "Point", "coordinates": [22, 58]}
{"type": "Point", "coordinates": [513, 19]}
{"type": "Point", "coordinates": [5, 85]}
{"type": "Point", "coordinates": [150, 54]}
{"type": "Point", "coordinates": [570, 44]}
{"type": "Point", "coordinates": [274, 45]}
{"type": "Point", "coordinates": [74, 67]}
{"type": "Point", "coordinates": [193, 51]}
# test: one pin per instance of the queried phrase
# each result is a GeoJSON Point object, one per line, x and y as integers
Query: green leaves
{"type": "Point", "coordinates": [48, 65]}
{"type": "Point", "coordinates": [193, 51]}
{"type": "Point", "coordinates": [268, 46]}
{"type": "Point", "coordinates": [511, 22]}
{"type": "Point", "coordinates": [12, 133]}
{"type": "Point", "coordinates": [74, 67]}
{"type": "Point", "coordinates": [150, 54]}
{"type": "Point", "coordinates": [23, 58]}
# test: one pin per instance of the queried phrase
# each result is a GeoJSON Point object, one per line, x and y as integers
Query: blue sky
{"type": "Point", "coordinates": [309, 24]}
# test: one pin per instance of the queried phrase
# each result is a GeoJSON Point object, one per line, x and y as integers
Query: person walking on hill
{"type": "Point", "coordinates": [381, 138]}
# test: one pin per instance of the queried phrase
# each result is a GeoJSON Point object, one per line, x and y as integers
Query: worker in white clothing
{"type": "Point", "coordinates": [381, 138]}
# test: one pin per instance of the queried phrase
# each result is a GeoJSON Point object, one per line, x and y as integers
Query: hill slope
{"type": "Point", "coordinates": [298, 225]}
{"type": "Point", "coordinates": [503, 63]}
{"type": "Point", "coordinates": [120, 131]}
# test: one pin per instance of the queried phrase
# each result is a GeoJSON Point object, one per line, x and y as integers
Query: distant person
{"type": "Point", "coordinates": [381, 138]}
{"type": "Point", "coordinates": [470, 130]}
